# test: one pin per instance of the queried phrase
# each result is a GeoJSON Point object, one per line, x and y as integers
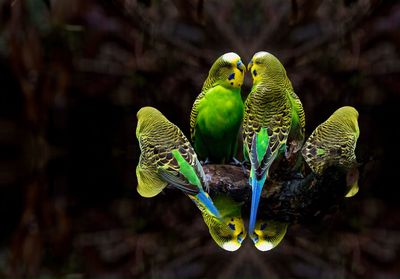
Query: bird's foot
{"type": "Point", "coordinates": [288, 152]}
{"type": "Point", "coordinates": [242, 164]}
{"type": "Point", "coordinates": [236, 162]}
{"type": "Point", "coordinates": [291, 150]}
{"type": "Point", "coordinates": [208, 178]}
{"type": "Point", "coordinates": [206, 162]}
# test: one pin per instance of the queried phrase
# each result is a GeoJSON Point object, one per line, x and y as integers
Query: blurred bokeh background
{"type": "Point", "coordinates": [74, 73]}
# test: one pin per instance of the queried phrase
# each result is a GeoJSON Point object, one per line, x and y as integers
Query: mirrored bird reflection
{"type": "Point", "coordinates": [228, 231]}
{"type": "Point", "coordinates": [268, 234]}
{"type": "Point", "coordinates": [333, 143]}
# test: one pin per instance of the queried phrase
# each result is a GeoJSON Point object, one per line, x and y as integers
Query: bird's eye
{"type": "Point", "coordinates": [254, 72]}
{"type": "Point", "coordinates": [232, 226]}
{"type": "Point", "coordinates": [263, 226]}
{"type": "Point", "coordinates": [231, 76]}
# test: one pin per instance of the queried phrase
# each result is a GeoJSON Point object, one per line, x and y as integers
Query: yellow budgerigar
{"type": "Point", "coordinates": [273, 122]}
{"type": "Point", "coordinates": [333, 143]}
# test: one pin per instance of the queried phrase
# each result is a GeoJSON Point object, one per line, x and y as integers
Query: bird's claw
{"type": "Point", "coordinates": [236, 162]}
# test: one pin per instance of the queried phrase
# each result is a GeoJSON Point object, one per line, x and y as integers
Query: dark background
{"type": "Point", "coordinates": [74, 73]}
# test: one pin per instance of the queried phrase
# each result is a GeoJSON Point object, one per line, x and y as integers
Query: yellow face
{"type": "Point", "coordinates": [238, 234]}
{"type": "Point", "coordinates": [229, 235]}
{"type": "Point", "coordinates": [268, 234]}
{"type": "Point", "coordinates": [233, 69]}
{"type": "Point", "coordinates": [264, 64]}
{"type": "Point", "coordinates": [227, 230]}
{"type": "Point", "coordinates": [255, 69]}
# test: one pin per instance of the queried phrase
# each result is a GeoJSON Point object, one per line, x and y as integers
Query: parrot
{"type": "Point", "coordinates": [168, 158]}
{"type": "Point", "coordinates": [268, 234]}
{"type": "Point", "coordinates": [333, 143]}
{"type": "Point", "coordinates": [228, 231]}
{"type": "Point", "coordinates": [273, 118]}
{"type": "Point", "coordinates": [217, 112]}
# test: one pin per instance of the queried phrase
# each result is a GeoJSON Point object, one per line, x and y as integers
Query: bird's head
{"type": "Point", "coordinates": [268, 234]}
{"type": "Point", "coordinates": [349, 116]}
{"type": "Point", "coordinates": [228, 230]}
{"type": "Point", "coordinates": [228, 70]}
{"type": "Point", "coordinates": [228, 233]}
{"type": "Point", "coordinates": [264, 65]}
{"type": "Point", "coordinates": [146, 117]}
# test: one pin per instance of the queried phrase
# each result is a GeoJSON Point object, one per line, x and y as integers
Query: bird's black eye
{"type": "Point", "coordinates": [254, 72]}
{"type": "Point", "coordinates": [263, 226]}
{"type": "Point", "coordinates": [231, 76]}
{"type": "Point", "coordinates": [232, 226]}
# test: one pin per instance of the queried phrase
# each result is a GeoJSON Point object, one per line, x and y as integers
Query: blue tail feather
{"type": "Point", "coordinates": [208, 204]}
{"type": "Point", "coordinates": [256, 188]}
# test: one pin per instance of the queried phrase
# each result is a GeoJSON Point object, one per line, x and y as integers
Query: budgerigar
{"type": "Point", "coordinates": [228, 231]}
{"type": "Point", "coordinates": [273, 113]}
{"type": "Point", "coordinates": [268, 234]}
{"type": "Point", "coordinates": [217, 112]}
{"type": "Point", "coordinates": [333, 143]}
{"type": "Point", "coordinates": [168, 158]}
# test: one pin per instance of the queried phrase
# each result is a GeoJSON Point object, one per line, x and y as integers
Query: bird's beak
{"type": "Point", "coordinates": [250, 65]}
{"type": "Point", "coordinates": [241, 66]}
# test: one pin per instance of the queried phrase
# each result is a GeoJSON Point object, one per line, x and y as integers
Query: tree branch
{"type": "Point", "coordinates": [294, 199]}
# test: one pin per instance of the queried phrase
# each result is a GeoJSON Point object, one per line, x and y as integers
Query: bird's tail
{"type": "Point", "coordinates": [204, 202]}
{"type": "Point", "coordinates": [352, 182]}
{"type": "Point", "coordinates": [260, 158]}
{"type": "Point", "coordinates": [256, 188]}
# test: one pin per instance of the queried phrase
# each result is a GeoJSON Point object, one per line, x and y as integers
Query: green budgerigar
{"type": "Point", "coordinates": [333, 143]}
{"type": "Point", "coordinates": [268, 234]}
{"type": "Point", "coordinates": [228, 231]}
{"type": "Point", "coordinates": [217, 112]}
{"type": "Point", "coordinates": [273, 119]}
